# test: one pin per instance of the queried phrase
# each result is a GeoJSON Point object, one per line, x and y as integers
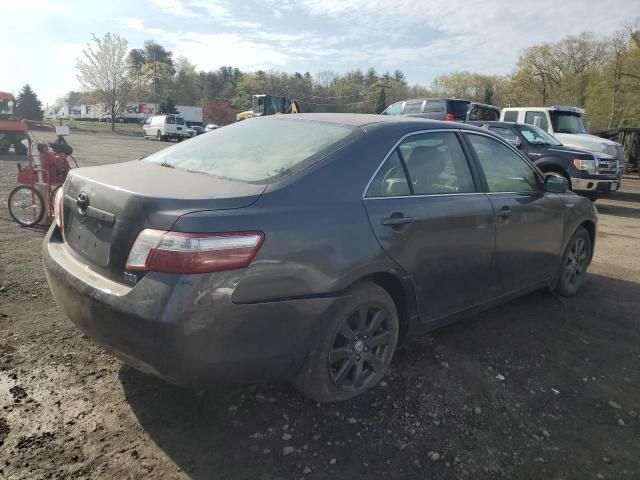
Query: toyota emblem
{"type": "Point", "coordinates": [82, 202]}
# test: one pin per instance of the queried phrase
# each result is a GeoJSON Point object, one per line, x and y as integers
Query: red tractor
{"type": "Point", "coordinates": [12, 130]}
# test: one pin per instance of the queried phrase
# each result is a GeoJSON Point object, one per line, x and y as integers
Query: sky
{"type": "Point", "coordinates": [41, 40]}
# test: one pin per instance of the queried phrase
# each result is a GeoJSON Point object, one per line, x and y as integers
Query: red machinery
{"type": "Point", "coordinates": [31, 202]}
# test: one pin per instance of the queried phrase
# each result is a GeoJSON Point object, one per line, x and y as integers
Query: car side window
{"type": "Point", "coordinates": [394, 109]}
{"type": "Point", "coordinates": [390, 181]}
{"type": "Point", "coordinates": [436, 164]}
{"type": "Point", "coordinates": [414, 106]}
{"type": "Point", "coordinates": [504, 170]}
{"type": "Point", "coordinates": [171, 120]}
{"type": "Point", "coordinates": [434, 106]}
{"type": "Point", "coordinates": [530, 118]}
{"type": "Point", "coordinates": [505, 133]}
{"type": "Point", "coordinates": [511, 116]}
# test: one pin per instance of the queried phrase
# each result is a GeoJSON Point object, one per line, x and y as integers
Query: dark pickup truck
{"type": "Point", "coordinates": [590, 174]}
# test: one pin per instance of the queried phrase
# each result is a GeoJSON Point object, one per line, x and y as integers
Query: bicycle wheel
{"type": "Point", "coordinates": [26, 205]}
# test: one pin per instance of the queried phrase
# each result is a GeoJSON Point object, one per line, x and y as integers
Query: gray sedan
{"type": "Point", "coordinates": [306, 248]}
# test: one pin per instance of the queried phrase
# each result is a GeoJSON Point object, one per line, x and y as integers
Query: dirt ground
{"type": "Point", "coordinates": [540, 388]}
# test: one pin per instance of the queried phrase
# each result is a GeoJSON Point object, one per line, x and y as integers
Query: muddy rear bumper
{"type": "Point", "coordinates": [185, 328]}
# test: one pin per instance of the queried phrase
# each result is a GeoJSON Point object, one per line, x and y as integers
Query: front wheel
{"type": "Point", "coordinates": [354, 351]}
{"type": "Point", "coordinates": [26, 205]}
{"type": "Point", "coordinates": [575, 262]}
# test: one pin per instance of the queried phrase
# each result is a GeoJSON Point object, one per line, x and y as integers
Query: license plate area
{"type": "Point", "coordinates": [614, 186]}
{"type": "Point", "coordinates": [89, 237]}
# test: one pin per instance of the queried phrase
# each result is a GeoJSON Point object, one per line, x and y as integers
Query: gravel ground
{"type": "Point", "coordinates": [542, 387]}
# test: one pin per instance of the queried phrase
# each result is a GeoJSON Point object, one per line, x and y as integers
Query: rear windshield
{"type": "Point", "coordinates": [260, 150]}
{"type": "Point", "coordinates": [458, 107]}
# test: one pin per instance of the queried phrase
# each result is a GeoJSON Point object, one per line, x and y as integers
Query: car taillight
{"type": "Point", "coordinates": [177, 252]}
{"type": "Point", "coordinates": [58, 208]}
{"type": "Point", "coordinates": [449, 117]}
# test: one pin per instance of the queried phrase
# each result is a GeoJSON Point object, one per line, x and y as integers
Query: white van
{"type": "Point", "coordinates": [164, 127]}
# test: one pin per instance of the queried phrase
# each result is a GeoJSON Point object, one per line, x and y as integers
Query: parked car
{"type": "Point", "coordinates": [191, 132]}
{"type": "Point", "coordinates": [165, 127]}
{"type": "Point", "coordinates": [589, 173]}
{"type": "Point", "coordinates": [211, 126]}
{"type": "Point", "coordinates": [198, 129]}
{"type": "Point", "coordinates": [448, 109]}
{"type": "Point", "coordinates": [306, 247]}
{"type": "Point", "coordinates": [565, 123]}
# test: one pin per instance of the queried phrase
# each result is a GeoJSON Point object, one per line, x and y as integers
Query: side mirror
{"type": "Point", "coordinates": [555, 183]}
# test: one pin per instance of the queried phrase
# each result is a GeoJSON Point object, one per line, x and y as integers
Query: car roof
{"type": "Point", "coordinates": [365, 119]}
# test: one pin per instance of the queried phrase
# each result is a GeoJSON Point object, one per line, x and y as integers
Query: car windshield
{"type": "Point", "coordinates": [536, 136]}
{"type": "Point", "coordinates": [567, 122]}
{"type": "Point", "coordinates": [261, 150]}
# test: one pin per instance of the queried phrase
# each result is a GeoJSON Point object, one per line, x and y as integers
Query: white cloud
{"type": "Point", "coordinates": [174, 7]}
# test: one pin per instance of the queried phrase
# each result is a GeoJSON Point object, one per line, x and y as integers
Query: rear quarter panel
{"type": "Point", "coordinates": [318, 239]}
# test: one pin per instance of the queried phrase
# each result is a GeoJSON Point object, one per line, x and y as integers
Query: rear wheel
{"type": "Point", "coordinates": [159, 136]}
{"type": "Point", "coordinates": [354, 351]}
{"type": "Point", "coordinates": [26, 205]}
{"type": "Point", "coordinates": [575, 262]}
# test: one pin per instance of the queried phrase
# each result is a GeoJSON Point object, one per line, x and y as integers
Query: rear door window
{"type": "Point", "coordinates": [434, 106]}
{"type": "Point", "coordinates": [436, 164]}
{"type": "Point", "coordinates": [171, 120]}
{"type": "Point", "coordinates": [413, 106]}
{"type": "Point", "coordinates": [530, 118]}
{"type": "Point", "coordinates": [390, 181]}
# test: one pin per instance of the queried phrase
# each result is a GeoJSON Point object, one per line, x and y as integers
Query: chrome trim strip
{"type": "Point", "coordinates": [422, 195]}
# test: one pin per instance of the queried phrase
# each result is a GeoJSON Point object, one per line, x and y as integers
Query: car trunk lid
{"type": "Point", "coordinates": [106, 207]}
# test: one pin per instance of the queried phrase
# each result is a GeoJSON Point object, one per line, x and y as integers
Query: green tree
{"type": "Point", "coordinates": [381, 101]}
{"type": "Point", "coordinates": [28, 105]}
{"type": "Point", "coordinates": [169, 107]}
{"type": "Point", "coordinates": [104, 71]}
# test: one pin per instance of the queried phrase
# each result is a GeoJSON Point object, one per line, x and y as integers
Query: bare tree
{"type": "Point", "coordinates": [104, 71]}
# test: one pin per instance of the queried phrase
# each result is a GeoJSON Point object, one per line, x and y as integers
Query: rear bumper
{"type": "Point", "coordinates": [185, 328]}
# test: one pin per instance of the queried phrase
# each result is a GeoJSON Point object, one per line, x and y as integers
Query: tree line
{"type": "Point", "coordinates": [601, 74]}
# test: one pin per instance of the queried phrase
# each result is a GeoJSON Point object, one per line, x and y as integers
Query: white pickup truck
{"type": "Point", "coordinates": [565, 123]}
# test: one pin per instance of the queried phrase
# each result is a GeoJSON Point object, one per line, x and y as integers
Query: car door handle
{"type": "Point", "coordinates": [394, 221]}
{"type": "Point", "coordinates": [504, 213]}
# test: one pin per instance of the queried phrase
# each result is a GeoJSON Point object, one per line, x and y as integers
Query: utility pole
{"type": "Point", "coordinates": [155, 80]}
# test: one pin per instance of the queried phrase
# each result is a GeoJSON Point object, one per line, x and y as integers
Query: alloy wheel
{"type": "Point", "coordinates": [575, 262]}
{"type": "Point", "coordinates": [360, 348]}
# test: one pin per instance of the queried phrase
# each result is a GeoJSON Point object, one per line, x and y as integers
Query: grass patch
{"type": "Point", "coordinates": [133, 129]}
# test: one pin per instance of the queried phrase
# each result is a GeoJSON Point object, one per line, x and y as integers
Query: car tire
{"type": "Point", "coordinates": [574, 264]}
{"type": "Point", "coordinates": [353, 352]}
{"type": "Point", "coordinates": [159, 136]}
{"type": "Point", "coordinates": [591, 196]}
